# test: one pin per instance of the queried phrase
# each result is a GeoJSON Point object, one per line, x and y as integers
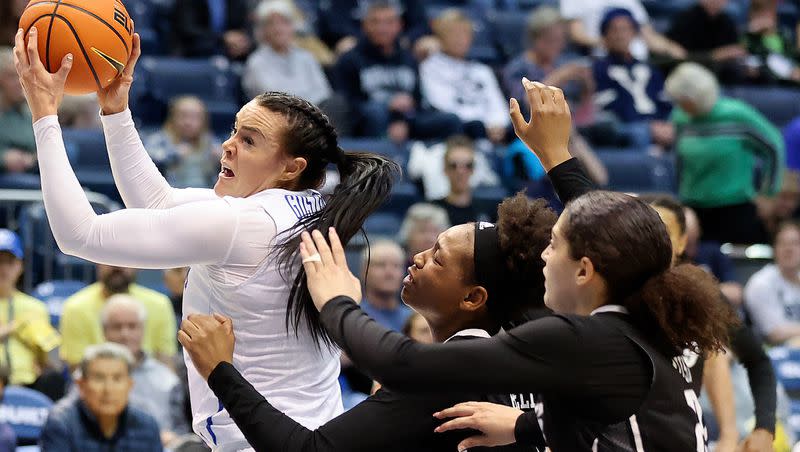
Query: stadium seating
{"type": "Point", "coordinates": [214, 80]}
{"type": "Point", "coordinates": [383, 224]}
{"type": "Point", "coordinates": [53, 294]}
{"type": "Point", "coordinates": [25, 410]}
{"type": "Point", "coordinates": [89, 158]}
{"type": "Point", "coordinates": [637, 172]}
{"type": "Point", "coordinates": [780, 105]}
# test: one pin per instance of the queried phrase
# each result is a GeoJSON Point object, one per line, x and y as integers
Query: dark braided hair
{"type": "Point", "coordinates": [365, 183]}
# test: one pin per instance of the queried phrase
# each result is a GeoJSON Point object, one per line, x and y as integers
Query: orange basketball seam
{"type": "Point", "coordinates": [83, 50]}
{"type": "Point", "coordinates": [49, 31]}
{"type": "Point", "coordinates": [85, 11]}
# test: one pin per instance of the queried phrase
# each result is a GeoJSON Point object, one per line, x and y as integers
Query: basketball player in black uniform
{"type": "Point", "coordinates": [608, 365]}
{"type": "Point", "coordinates": [460, 288]}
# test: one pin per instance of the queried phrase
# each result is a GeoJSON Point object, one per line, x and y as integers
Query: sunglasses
{"type": "Point", "coordinates": [455, 165]}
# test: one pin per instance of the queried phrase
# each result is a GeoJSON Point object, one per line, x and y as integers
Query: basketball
{"type": "Point", "coordinates": [98, 34]}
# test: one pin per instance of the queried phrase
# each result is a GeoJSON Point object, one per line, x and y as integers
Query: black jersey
{"type": "Point", "coordinates": [669, 418]}
{"type": "Point", "coordinates": [605, 386]}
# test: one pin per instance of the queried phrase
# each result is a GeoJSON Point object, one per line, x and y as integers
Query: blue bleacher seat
{"type": "Point", "coordinates": [213, 80]}
{"type": "Point", "coordinates": [403, 195]}
{"type": "Point", "coordinates": [635, 171]}
{"type": "Point", "coordinates": [780, 105]}
{"type": "Point", "coordinates": [53, 294]}
{"type": "Point", "coordinates": [508, 30]}
{"type": "Point", "coordinates": [378, 146]}
{"type": "Point", "coordinates": [494, 194]}
{"type": "Point", "coordinates": [25, 410]}
{"type": "Point", "coordinates": [89, 158]}
{"type": "Point", "coordinates": [383, 224]}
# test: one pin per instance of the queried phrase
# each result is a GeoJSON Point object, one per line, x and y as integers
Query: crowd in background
{"type": "Point", "coordinates": [392, 70]}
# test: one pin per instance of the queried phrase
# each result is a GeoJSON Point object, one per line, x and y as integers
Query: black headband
{"type": "Point", "coordinates": [489, 265]}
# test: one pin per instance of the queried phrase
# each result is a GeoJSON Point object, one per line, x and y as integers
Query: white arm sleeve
{"type": "Point", "coordinates": [203, 232]}
{"type": "Point", "coordinates": [137, 178]}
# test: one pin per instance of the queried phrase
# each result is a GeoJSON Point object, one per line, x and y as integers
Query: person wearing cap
{"type": "Point", "coordinates": [463, 288]}
{"type": "Point", "coordinates": [24, 326]}
{"type": "Point", "coordinates": [629, 90]}
{"type": "Point", "coordinates": [278, 64]}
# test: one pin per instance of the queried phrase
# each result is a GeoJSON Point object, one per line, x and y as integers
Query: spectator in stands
{"type": "Point", "coordinates": [80, 318]}
{"type": "Point", "coordinates": [710, 36]}
{"type": "Point", "coordinates": [459, 164]}
{"type": "Point", "coordinates": [468, 89]}
{"type": "Point", "coordinates": [718, 142]}
{"type": "Point", "coordinates": [781, 207]}
{"type": "Point", "coordinates": [584, 27]}
{"type": "Point", "coordinates": [101, 419]}
{"type": "Point", "coordinates": [156, 389]}
{"type": "Point", "coordinates": [775, 55]}
{"type": "Point", "coordinates": [628, 89]}
{"type": "Point", "coordinates": [340, 20]}
{"type": "Point", "coordinates": [278, 64]}
{"type": "Point", "coordinates": [17, 144]}
{"type": "Point", "coordinates": [707, 255]}
{"type": "Point", "coordinates": [211, 27]}
{"type": "Point", "coordinates": [421, 226]}
{"type": "Point", "coordinates": [80, 112]}
{"type": "Point", "coordinates": [381, 83]}
{"type": "Point", "coordinates": [175, 282]}
{"type": "Point", "coordinates": [10, 12]}
{"type": "Point", "coordinates": [417, 328]}
{"type": "Point", "coordinates": [25, 330]}
{"type": "Point", "coordinates": [384, 267]}
{"type": "Point", "coordinates": [185, 147]}
{"type": "Point", "coordinates": [8, 439]}
{"type": "Point", "coordinates": [772, 295]}
{"type": "Point", "coordinates": [543, 59]}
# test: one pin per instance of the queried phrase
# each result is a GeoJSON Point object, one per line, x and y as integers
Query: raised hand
{"type": "Point", "coordinates": [495, 422]}
{"type": "Point", "coordinates": [208, 340]}
{"type": "Point", "coordinates": [43, 90]}
{"type": "Point", "coordinates": [326, 269]}
{"type": "Point", "coordinates": [114, 97]}
{"type": "Point", "coordinates": [547, 133]}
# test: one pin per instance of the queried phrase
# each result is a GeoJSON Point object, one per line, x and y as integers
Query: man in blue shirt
{"type": "Point", "coordinates": [630, 90]}
{"type": "Point", "coordinates": [385, 270]}
{"type": "Point", "coordinates": [100, 419]}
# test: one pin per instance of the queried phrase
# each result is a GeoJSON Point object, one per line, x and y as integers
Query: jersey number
{"type": "Point", "coordinates": [700, 432]}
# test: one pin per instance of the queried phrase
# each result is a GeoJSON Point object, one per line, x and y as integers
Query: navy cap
{"type": "Point", "coordinates": [10, 242]}
{"type": "Point", "coordinates": [612, 14]}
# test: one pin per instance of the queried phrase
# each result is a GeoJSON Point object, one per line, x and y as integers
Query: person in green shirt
{"type": "Point", "coordinates": [722, 144]}
{"type": "Point", "coordinates": [17, 143]}
{"type": "Point", "coordinates": [80, 318]}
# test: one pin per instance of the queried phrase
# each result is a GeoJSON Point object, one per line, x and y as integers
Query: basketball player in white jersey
{"type": "Point", "coordinates": [238, 238]}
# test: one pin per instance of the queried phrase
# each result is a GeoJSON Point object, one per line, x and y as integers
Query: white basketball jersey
{"type": "Point", "coordinates": [295, 373]}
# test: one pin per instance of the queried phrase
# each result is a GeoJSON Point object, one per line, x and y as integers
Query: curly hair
{"type": "Point", "coordinates": [629, 247]}
{"type": "Point", "coordinates": [523, 228]}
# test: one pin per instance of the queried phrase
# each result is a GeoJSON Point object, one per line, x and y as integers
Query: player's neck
{"type": "Point", "coordinates": [444, 331]}
{"type": "Point", "coordinates": [382, 300]}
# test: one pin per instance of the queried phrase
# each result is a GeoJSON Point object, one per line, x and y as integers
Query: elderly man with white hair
{"type": "Point", "coordinates": [278, 64]}
{"type": "Point", "coordinates": [719, 144]}
{"type": "Point", "coordinates": [156, 389]}
{"type": "Point", "coordinates": [17, 142]}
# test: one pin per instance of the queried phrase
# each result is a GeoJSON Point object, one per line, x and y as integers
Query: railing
{"type": "Point", "coordinates": [22, 211]}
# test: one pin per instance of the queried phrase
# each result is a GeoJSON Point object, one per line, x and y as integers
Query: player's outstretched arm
{"type": "Point", "coordinates": [138, 180]}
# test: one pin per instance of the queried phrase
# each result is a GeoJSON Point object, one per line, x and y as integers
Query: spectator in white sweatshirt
{"type": "Point", "coordinates": [278, 64]}
{"type": "Point", "coordinates": [468, 89]}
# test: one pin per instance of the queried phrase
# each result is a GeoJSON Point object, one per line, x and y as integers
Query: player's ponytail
{"type": "Point", "coordinates": [628, 245]}
{"type": "Point", "coordinates": [365, 183]}
{"type": "Point", "coordinates": [685, 304]}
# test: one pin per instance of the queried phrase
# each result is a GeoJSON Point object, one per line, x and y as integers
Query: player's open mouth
{"type": "Point", "coordinates": [409, 279]}
{"type": "Point", "coordinates": [226, 172]}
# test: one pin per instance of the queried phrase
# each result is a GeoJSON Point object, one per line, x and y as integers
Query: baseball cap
{"type": "Point", "coordinates": [612, 14]}
{"type": "Point", "coordinates": [10, 242]}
